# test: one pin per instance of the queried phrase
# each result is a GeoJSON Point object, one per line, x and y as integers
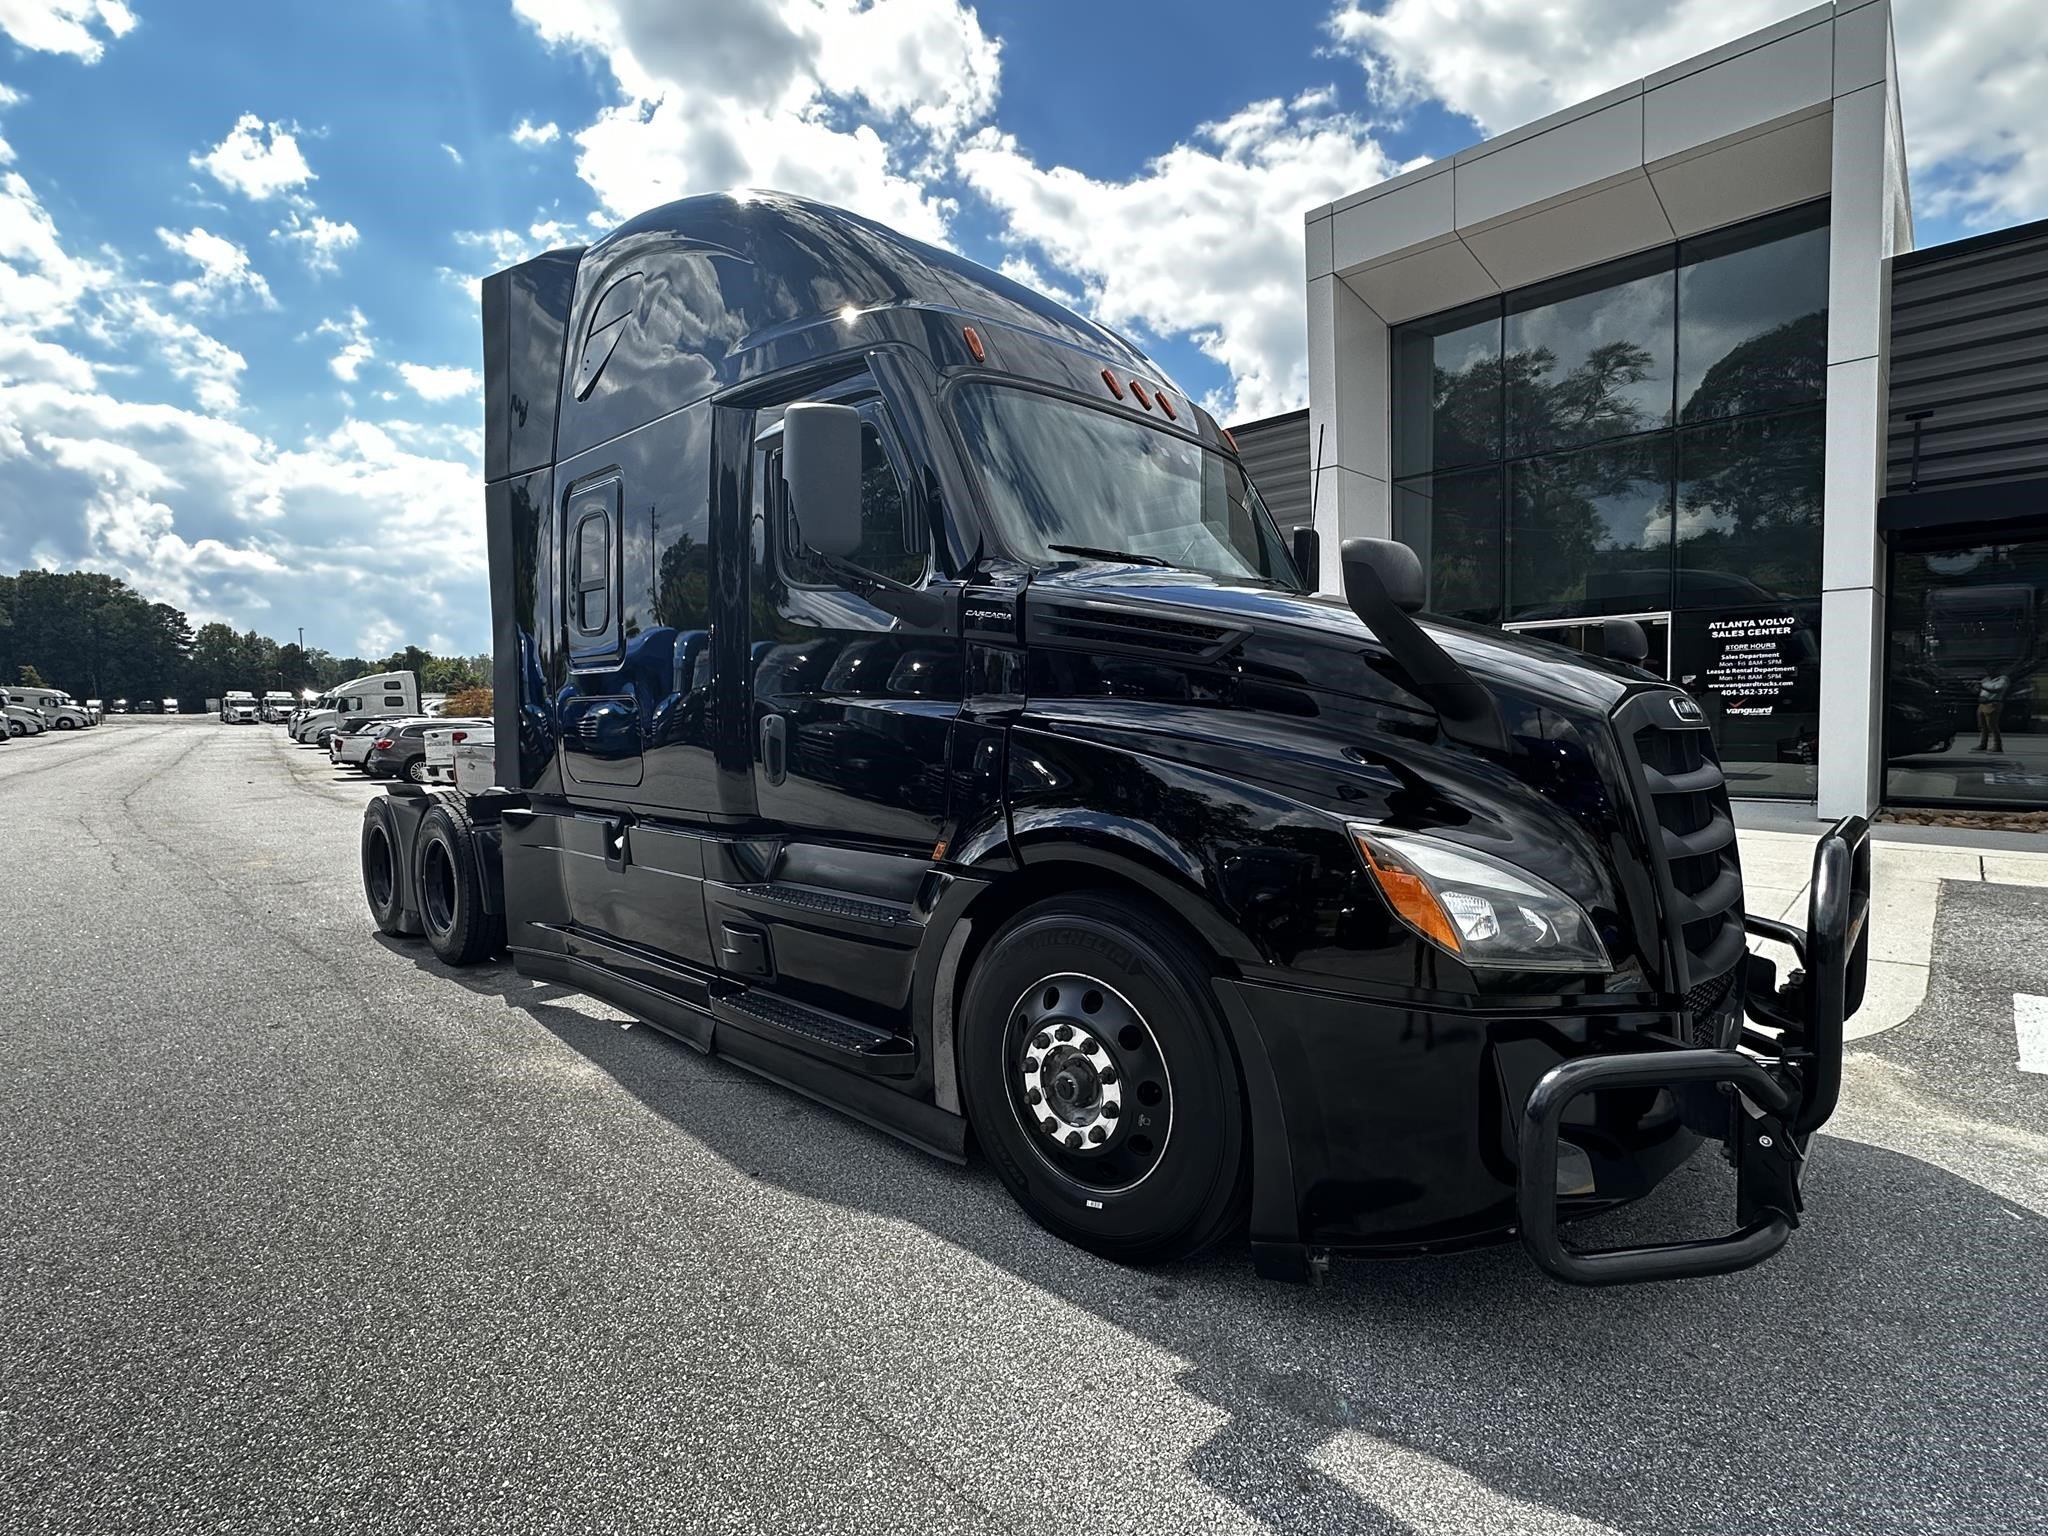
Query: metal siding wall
{"type": "Point", "coordinates": [1276, 454]}
{"type": "Point", "coordinates": [1970, 344]}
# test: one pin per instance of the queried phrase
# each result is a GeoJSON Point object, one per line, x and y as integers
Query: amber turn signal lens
{"type": "Point", "coordinates": [1410, 897]}
{"type": "Point", "coordinates": [973, 339]}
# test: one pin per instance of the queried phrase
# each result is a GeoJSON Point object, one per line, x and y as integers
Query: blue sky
{"type": "Point", "coordinates": [238, 241]}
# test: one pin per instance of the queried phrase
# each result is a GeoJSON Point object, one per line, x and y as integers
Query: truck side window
{"type": "Point", "coordinates": [890, 543]}
{"type": "Point", "coordinates": [590, 581]}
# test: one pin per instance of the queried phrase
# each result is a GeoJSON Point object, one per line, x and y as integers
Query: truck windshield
{"type": "Point", "coordinates": [1064, 479]}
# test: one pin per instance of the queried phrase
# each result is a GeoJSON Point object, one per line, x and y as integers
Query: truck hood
{"type": "Point", "coordinates": [1318, 642]}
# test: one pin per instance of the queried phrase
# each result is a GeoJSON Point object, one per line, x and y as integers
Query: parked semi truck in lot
{"type": "Point", "coordinates": [381, 693]}
{"type": "Point", "coordinates": [239, 707]}
{"type": "Point", "coordinates": [59, 710]}
{"type": "Point", "coordinates": [278, 706]}
{"type": "Point", "coordinates": [902, 692]}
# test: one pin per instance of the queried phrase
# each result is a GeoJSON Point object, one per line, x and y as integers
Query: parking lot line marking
{"type": "Point", "coordinates": [2030, 1024]}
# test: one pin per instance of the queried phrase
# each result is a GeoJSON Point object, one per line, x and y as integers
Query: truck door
{"type": "Point", "coordinates": [597, 711]}
{"type": "Point", "coordinates": [851, 707]}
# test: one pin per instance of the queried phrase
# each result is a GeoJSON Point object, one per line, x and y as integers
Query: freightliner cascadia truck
{"type": "Point", "coordinates": [902, 692]}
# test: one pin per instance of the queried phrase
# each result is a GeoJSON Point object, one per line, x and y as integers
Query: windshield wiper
{"type": "Point", "coordinates": [1108, 554]}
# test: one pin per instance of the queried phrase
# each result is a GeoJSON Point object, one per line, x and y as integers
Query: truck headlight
{"type": "Point", "coordinates": [1485, 911]}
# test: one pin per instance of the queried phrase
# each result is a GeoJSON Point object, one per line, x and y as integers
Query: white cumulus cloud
{"type": "Point", "coordinates": [225, 272]}
{"type": "Point", "coordinates": [356, 346]}
{"type": "Point", "coordinates": [1205, 242]}
{"type": "Point", "coordinates": [319, 241]}
{"type": "Point", "coordinates": [531, 135]}
{"type": "Point", "coordinates": [435, 382]}
{"type": "Point", "coordinates": [80, 28]}
{"type": "Point", "coordinates": [257, 159]}
{"type": "Point", "coordinates": [849, 101]}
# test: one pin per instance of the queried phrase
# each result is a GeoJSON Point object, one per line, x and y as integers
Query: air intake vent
{"type": "Point", "coordinates": [1100, 627]}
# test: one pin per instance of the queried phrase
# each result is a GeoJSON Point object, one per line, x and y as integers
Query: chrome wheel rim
{"type": "Point", "coordinates": [1088, 1082]}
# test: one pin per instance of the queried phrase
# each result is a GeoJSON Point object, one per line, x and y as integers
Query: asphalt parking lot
{"type": "Point", "coordinates": [301, 1231]}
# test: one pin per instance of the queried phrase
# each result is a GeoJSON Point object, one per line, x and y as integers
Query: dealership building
{"type": "Point", "coordinates": [1671, 354]}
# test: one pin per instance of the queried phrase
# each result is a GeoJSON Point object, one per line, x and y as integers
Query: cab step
{"type": "Point", "coordinates": [828, 1036]}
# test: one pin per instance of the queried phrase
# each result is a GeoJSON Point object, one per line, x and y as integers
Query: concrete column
{"type": "Point", "coordinates": [1349, 424]}
{"type": "Point", "coordinates": [1868, 224]}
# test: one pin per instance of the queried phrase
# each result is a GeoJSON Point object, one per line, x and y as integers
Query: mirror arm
{"type": "Point", "coordinates": [913, 605]}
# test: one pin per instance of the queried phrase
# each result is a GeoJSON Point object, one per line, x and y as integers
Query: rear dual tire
{"type": "Point", "coordinates": [1087, 1014]}
{"type": "Point", "coordinates": [447, 880]}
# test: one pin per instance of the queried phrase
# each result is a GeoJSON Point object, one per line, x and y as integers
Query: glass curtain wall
{"type": "Point", "coordinates": [1644, 437]}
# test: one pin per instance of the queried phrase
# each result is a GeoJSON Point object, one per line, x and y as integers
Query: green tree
{"type": "Point", "coordinates": [31, 678]}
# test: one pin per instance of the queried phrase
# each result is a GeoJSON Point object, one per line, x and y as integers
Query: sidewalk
{"type": "Point", "coordinates": [1905, 882]}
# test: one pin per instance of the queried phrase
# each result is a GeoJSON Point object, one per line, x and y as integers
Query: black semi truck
{"type": "Point", "coordinates": [902, 692]}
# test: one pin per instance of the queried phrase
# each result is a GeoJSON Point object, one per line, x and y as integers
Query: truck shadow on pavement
{"type": "Point", "coordinates": [1882, 1374]}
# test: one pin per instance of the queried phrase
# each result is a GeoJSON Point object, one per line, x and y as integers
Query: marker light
{"type": "Point", "coordinates": [973, 339]}
{"type": "Point", "coordinates": [1114, 387]}
{"type": "Point", "coordinates": [1230, 439]}
{"type": "Point", "coordinates": [1139, 390]}
{"type": "Point", "coordinates": [1166, 404]}
{"type": "Point", "coordinates": [1484, 910]}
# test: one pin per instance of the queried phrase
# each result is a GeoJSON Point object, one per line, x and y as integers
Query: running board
{"type": "Point", "coordinates": [827, 1036]}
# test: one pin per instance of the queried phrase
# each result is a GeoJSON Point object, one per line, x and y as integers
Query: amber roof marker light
{"type": "Point", "coordinates": [1139, 390]}
{"type": "Point", "coordinates": [1166, 404]}
{"type": "Point", "coordinates": [1114, 387]}
{"type": "Point", "coordinates": [973, 340]}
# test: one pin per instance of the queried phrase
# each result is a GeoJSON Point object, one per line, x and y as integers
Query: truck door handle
{"type": "Point", "coordinates": [618, 848]}
{"type": "Point", "coordinates": [775, 748]}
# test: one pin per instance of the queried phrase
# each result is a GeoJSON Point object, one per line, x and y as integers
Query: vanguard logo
{"type": "Point", "coordinates": [1687, 710]}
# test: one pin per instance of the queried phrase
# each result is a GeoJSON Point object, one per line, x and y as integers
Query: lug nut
{"type": "Point", "coordinates": [1097, 1134]}
{"type": "Point", "coordinates": [1042, 1040]}
{"type": "Point", "coordinates": [1065, 1032]}
{"type": "Point", "coordinates": [1033, 1097]}
{"type": "Point", "coordinates": [1073, 1138]}
{"type": "Point", "coordinates": [1108, 1075]}
{"type": "Point", "coordinates": [1030, 1063]}
{"type": "Point", "coordinates": [1111, 1109]}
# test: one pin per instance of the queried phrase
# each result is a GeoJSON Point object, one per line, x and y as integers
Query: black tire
{"type": "Point", "coordinates": [66, 723]}
{"type": "Point", "coordinates": [1088, 963]}
{"type": "Point", "coordinates": [448, 875]}
{"type": "Point", "coordinates": [16, 728]}
{"type": "Point", "coordinates": [416, 771]}
{"type": "Point", "coordinates": [382, 886]}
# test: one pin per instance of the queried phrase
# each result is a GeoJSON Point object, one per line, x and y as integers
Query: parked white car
{"type": "Point", "coordinates": [350, 743]}
{"type": "Point", "coordinates": [446, 746]}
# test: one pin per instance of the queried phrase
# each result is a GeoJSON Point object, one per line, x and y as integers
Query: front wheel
{"type": "Point", "coordinates": [1100, 1082]}
{"type": "Point", "coordinates": [16, 728]}
{"type": "Point", "coordinates": [64, 723]}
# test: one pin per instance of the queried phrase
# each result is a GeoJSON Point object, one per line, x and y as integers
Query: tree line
{"type": "Point", "coordinates": [95, 637]}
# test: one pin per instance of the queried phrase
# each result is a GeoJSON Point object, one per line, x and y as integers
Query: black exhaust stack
{"type": "Point", "coordinates": [1383, 584]}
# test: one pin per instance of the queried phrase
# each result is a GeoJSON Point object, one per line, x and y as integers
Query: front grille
{"type": "Point", "coordinates": [1692, 843]}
